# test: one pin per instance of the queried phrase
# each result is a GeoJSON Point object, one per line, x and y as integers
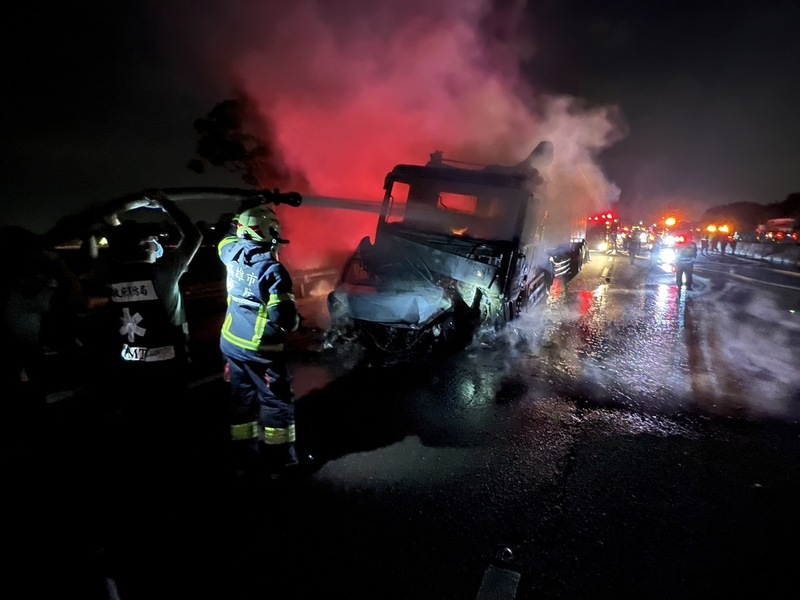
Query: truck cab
{"type": "Point", "coordinates": [456, 249]}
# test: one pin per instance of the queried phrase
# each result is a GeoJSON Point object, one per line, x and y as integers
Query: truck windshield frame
{"type": "Point", "coordinates": [451, 207]}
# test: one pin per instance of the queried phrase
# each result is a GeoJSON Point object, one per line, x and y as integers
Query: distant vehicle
{"type": "Point", "coordinates": [786, 225]}
{"type": "Point", "coordinates": [779, 230]}
{"type": "Point", "coordinates": [662, 252]}
{"type": "Point", "coordinates": [456, 249]}
{"type": "Point", "coordinates": [601, 231]}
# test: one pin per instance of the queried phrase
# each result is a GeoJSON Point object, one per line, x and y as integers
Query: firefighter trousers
{"type": "Point", "coordinates": [262, 400]}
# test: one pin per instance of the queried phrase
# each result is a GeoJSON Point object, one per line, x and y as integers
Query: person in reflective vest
{"type": "Point", "coordinates": [146, 341]}
{"type": "Point", "coordinates": [260, 312]}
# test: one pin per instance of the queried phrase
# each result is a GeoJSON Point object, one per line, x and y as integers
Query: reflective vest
{"type": "Point", "coordinates": [261, 308]}
{"type": "Point", "coordinates": [144, 333]}
{"type": "Point", "coordinates": [687, 253]}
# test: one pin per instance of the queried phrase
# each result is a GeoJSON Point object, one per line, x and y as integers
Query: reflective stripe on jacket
{"type": "Point", "coordinates": [687, 253]}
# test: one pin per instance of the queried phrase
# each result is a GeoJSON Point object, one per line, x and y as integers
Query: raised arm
{"type": "Point", "coordinates": [191, 236]}
{"type": "Point", "coordinates": [93, 219]}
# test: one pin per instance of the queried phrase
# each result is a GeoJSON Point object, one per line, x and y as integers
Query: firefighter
{"type": "Point", "coordinates": [633, 247]}
{"type": "Point", "coordinates": [261, 311]}
{"type": "Point", "coordinates": [685, 255]}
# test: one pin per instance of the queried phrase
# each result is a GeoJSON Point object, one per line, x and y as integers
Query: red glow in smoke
{"type": "Point", "coordinates": [353, 92]}
{"type": "Point", "coordinates": [322, 238]}
{"type": "Point", "coordinates": [354, 87]}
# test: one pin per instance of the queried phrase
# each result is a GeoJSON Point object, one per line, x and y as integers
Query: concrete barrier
{"type": "Point", "coordinates": [784, 255]}
{"type": "Point", "coordinates": [744, 249]}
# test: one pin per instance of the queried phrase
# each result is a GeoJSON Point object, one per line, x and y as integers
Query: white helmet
{"type": "Point", "coordinates": [259, 224]}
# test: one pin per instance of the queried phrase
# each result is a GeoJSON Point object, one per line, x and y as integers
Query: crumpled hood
{"type": "Point", "coordinates": [412, 308]}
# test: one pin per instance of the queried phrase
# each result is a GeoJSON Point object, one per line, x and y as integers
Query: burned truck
{"type": "Point", "coordinates": [457, 248]}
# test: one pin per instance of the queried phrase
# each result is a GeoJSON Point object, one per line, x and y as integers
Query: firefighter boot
{"type": "Point", "coordinates": [278, 460]}
{"type": "Point", "coordinates": [244, 457]}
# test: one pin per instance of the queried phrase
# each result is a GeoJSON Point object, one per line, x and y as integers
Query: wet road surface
{"type": "Point", "coordinates": [627, 440]}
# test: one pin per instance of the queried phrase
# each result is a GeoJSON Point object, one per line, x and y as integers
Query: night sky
{"type": "Point", "coordinates": [656, 105]}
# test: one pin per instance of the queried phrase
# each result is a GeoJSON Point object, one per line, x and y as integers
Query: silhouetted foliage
{"type": "Point", "coordinates": [236, 137]}
{"type": "Point", "coordinates": [746, 216]}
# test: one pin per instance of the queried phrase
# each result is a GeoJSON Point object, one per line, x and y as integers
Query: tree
{"type": "Point", "coordinates": [747, 215]}
{"type": "Point", "coordinates": [237, 137]}
{"type": "Point", "coordinates": [790, 207]}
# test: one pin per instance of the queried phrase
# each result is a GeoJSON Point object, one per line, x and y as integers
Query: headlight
{"type": "Point", "coordinates": [668, 255]}
{"type": "Point", "coordinates": [602, 246]}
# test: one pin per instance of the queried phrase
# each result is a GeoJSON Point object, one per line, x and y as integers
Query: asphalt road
{"type": "Point", "coordinates": [625, 441]}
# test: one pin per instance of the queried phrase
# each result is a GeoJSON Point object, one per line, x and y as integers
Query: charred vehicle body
{"type": "Point", "coordinates": [456, 249]}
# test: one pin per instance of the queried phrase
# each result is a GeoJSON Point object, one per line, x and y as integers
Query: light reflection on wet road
{"type": "Point", "coordinates": [580, 451]}
{"type": "Point", "coordinates": [725, 348]}
{"type": "Point", "coordinates": [596, 448]}
{"type": "Point", "coordinates": [624, 335]}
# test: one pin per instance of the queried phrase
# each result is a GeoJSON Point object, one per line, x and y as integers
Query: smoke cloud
{"type": "Point", "coordinates": [353, 87]}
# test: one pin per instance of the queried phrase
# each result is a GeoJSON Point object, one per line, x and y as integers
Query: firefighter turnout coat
{"type": "Point", "coordinates": [261, 308]}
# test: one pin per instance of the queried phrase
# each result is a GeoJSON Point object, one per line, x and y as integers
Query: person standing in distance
{"type": "Point", "coordinates": [633, 247]}
{"type": "Point", "coordinates": [704, 245]}
{"type": "Point", "coordinates": [685, 255]}
{"type": "Point", "coordinates": [261, 312]}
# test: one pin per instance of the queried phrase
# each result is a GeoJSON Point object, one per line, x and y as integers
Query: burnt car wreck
{"type": "Point", "coordinates": [457, 249]}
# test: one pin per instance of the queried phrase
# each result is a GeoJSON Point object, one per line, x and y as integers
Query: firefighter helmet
{"type": "Point", "coordinates": [259, 224]}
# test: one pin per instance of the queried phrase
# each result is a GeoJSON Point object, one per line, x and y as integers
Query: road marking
{"type": "Point", "coordinates": [750, 279]}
